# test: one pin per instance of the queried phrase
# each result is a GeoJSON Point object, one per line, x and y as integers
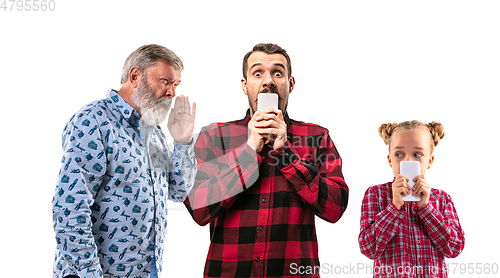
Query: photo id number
{"type": "Point", "coordinates": [28, 5]}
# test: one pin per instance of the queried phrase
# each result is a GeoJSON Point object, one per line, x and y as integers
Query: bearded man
{"type": "Point", "coordinates": [109, 208]}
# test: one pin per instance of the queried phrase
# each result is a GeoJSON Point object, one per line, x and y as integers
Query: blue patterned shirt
{"type": "Point", "coordinates": [109, 208]}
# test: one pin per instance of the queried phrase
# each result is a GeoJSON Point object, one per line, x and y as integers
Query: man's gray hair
{"type": "Point", "coordinates": [146, 56]}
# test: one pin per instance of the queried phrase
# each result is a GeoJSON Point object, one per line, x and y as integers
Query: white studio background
{"type": "Point", "coordinates": [357, 65]}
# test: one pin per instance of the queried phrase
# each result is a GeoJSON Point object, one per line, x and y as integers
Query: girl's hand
{"type": "Point", "coordinates": [400, 188]}
{"type": "Point", "coordinates": [422, 187]}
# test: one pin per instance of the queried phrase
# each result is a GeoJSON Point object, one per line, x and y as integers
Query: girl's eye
{"type": "Point", "coordinates": [418, 155]}
{"type": "Point", "coordinates": [399, 155]}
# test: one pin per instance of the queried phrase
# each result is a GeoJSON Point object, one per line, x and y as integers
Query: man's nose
{"type": "Point", "coordinates": [268, 81]}
{"type": "Point", "coordinates": [170, 93]}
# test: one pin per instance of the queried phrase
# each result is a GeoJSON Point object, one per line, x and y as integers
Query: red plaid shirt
{"type": "Point", "coordinates": [409, 242]}
{"type": "Point", "coordinates": [261, 207]}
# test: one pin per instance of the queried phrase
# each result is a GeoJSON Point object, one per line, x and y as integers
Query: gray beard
{"type": "Point", "coordinates": [153, 112]}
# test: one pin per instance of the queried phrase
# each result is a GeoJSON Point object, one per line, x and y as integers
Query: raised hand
{"type": "Point", "coordinates": [181, 120]}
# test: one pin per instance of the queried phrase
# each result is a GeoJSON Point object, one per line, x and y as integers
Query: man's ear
{"type": "Point", "coordinates": [134, 77]}
{"type": "Point", "coordinates": [244, 85]}
{"type": "Point", "coordinates": [292, 83]}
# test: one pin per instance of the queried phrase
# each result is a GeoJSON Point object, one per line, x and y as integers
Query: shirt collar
{"type": "Point", "coordinates": [128, 113]}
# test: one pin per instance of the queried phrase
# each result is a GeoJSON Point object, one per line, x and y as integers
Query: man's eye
{"type": "Point", "coordinates": [278, 74]}
{"type": "Point", "coordinates": [257, 74]}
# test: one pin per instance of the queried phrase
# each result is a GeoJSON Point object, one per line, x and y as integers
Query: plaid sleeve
{"type": "Point", "coordinates": [443, 226]}
{"type": "Point", "coordinates": [221, 175]}
{"type": "Point", "coordinates": [378, 225]}
{"type": "Point", "coordinates": [318, 179]}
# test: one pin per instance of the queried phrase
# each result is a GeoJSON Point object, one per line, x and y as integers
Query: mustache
{"type": "Point", "coordinates": [269, 90]}
{"type": "Point", "coordinates": [163, 101]}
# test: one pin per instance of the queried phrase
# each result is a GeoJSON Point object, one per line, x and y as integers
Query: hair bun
{"type": "Point", "coordinates": [385, 131]}
{"type": "Point", "coordinates": [437, 131]}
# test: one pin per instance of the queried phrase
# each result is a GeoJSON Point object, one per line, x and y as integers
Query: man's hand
{"type": "Point", "coordinates": [400, 187]}
{"type": "Point", "coordinates": [254, 140]}
{"type": "Point", "coordinates": [267, 127]}
{"type": "Point", "coordinates": [181, 120]}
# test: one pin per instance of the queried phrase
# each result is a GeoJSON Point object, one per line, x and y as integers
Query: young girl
{"type": "Point", "coordinates": [409, 239]}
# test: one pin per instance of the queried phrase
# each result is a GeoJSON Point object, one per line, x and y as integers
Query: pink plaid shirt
{"type": "Point", "coordinates": [409, 242]}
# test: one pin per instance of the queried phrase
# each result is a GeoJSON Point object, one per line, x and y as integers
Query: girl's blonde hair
{"type": "Point", "coordinates": [434, 129]}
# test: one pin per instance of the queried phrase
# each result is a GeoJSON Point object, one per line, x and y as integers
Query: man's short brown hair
{"type": "Point", "coordinates": [267, 48]}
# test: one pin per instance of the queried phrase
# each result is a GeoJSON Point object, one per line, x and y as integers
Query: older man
{"type": "Point", "coordinates": [109, 208]}
{"type": "Point", "coordinates": [261, 180]}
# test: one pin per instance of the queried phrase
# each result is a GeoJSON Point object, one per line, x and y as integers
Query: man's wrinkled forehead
{"type": "Point", "coordinates": [257, 59]}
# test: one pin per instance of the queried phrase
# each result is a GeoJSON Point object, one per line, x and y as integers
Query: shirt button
{"type": "Point", "coordinates": [261, 228]}
{"type": "Point", "coordinates": [138, 128]}
{"type": "Point", "coordinates": [264, 200]}
{"type": "Point", "coordinates": [257, 259]}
